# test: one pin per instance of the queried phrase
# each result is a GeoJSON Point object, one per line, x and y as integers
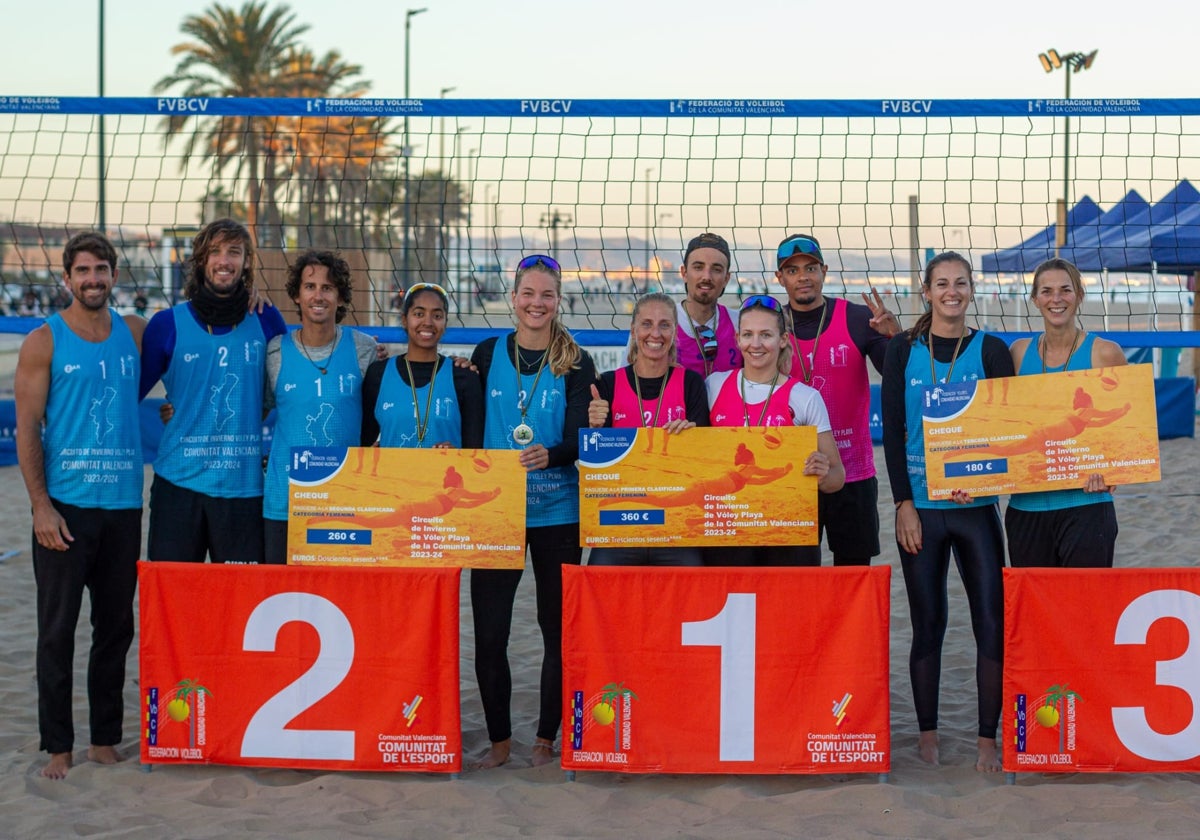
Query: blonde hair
{"type": "Point", "coordinates": [784, 362]}
{"type": "Point", "coordinates": [654, 297]}
{"type": "Point", "coordinates": [563, 354]}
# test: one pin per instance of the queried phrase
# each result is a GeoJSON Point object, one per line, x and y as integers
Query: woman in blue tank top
{"type": "Point", "coordinates": [1073, 527]}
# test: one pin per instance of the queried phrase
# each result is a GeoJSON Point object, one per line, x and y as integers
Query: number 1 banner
{"type": "Point", "coordinates": [726, 670]}
{"type": "Point", "coordinates": [313, 667]}
{"type": "Point", "coordinates": [1102, 670]}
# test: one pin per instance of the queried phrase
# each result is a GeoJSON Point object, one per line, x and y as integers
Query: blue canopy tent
{"type": "Point", "coordinates": [1083, 248]}
{"type": "Point", "coordinates": [1126, 245]}
{"type": "Point", "coordinates": [1040, 246]}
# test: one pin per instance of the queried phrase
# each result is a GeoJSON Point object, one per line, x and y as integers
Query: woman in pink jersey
{"type": "Point", "coordinates": [655, 393]}
{"type": "Point", "coordinates": [763, 394]}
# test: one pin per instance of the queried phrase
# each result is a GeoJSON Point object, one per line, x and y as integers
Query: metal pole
{"type": "Point", "coordinates": [1067, 143]}
{"type": "Point", "coordinates": [102, 215]}
{"type": "Point", "coordinates": [648, 171]}
{"type": "Point", "coordinates": [405, 151]}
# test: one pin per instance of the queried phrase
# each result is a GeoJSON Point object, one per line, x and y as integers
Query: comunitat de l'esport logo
{"type": "Point", "coordinates": [603, 448]}
{"type": "Point", "coordinates": [316, 464]}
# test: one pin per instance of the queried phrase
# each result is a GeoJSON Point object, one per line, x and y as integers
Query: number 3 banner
{"type": "Point", "coordinates": [1102, 670]}
{"type": "Point", "coordinates": [726, 670]}
{"type": "Point", "coordinates": [312, 667]}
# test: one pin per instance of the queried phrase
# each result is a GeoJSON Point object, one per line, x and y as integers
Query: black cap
{"type": "Point", "coordinates": [707, 240]}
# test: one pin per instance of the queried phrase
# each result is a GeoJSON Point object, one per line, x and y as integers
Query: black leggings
{"type": "Point", "coordinates": [975, 536]}
{"type": "Point", "coordinates": [493, 592]}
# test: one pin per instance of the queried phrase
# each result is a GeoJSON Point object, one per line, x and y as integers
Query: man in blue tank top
{"type": "Point", "coordinates": [314, 379]}
{"type": "Point", "coordinates": [209, 352]}
{"type": "Point", "coordinates": [77, 378]}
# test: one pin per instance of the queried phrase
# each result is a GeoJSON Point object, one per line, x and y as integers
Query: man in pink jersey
{"type": "Point", "coordinates": [832, 340]}
{"type": "Point", "coordinates": [706, 336]}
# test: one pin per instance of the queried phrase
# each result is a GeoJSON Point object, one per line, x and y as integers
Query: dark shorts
{"type": "Point", "coordinates": [275, 542]}
{"type": "Point", "coordinates": [849, 519]}
{"type": "Point", "coordinates": [186, 525]}
{"type": "Point", "coordinates": [1083, 537]}
{"type": "Point", "coordinates": [682, 556]}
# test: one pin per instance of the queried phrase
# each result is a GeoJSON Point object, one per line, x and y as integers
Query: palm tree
{"type": "Point", "coordinates": [232, 53]}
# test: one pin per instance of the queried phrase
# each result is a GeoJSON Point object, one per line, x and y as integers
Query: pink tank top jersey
{"type": "Point", "coordinates": [625, 402]}
{"type": "Point", "coordinates": [728, 356]}
{"type": "Point", "coordinates": [839, 373]}
{"type": "Point", "coordinates": [729, 410]}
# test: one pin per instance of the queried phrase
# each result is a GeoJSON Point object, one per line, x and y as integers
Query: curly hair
{"type": "Point", "coordinates": [213, 234]}
{"type": "Point", "coordinates": [339, 273]}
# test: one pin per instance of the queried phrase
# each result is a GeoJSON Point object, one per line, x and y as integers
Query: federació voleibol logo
{"type": "Point", "coordinates": [316, 464]}
{"type": "Point", "coordinates": [605, 447]}
{"type": "Point", "coordinates": [947, 400]}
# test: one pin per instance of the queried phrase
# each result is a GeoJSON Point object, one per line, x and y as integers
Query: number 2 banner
{"type": "Point", "coordinates": [282, 666]}
{"type": "Point", "coordinates": [1102, 670]}
{"type": "Point", "coordinates": [726, 670]}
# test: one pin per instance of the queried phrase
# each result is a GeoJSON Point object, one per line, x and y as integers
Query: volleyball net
{"type": "Point", "coordinates": [454, 192]}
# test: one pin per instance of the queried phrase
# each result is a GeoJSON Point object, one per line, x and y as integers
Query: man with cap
{"type": "Point", "coordinates": [707, 335]}
{"type": "Point", "coordinates": [832, 340]}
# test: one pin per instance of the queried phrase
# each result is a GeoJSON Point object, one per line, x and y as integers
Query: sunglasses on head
{"type": "Point", "coordinates": [798, 245]}
{"type": "Point", "coordinates": [763, 301]}
{"type": "Point", "coordinates": [425, 287]}
{"type": "Point", "coordinates": [534, 260]}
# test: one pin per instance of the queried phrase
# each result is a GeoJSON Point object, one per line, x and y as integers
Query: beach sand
{"type": "Point", "coordinates": [1158, 528]}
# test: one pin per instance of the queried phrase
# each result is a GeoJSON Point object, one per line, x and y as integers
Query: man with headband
{"type": "Point", "coordinates": [706, 337]}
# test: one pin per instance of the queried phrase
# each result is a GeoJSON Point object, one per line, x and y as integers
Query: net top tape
{"type": "Point", "coordinates": [658, 108]}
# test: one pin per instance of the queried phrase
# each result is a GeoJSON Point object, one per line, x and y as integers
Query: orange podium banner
{"type": "Point", "coordinates": [1102, 670]}
{"type": "Point", "coordinates": [720, 671]}
{"type": "Point", "coordinates": [1049, 431]}
{"type": "Point", "coordinates": [382, 506]}
{"type": "Point", "coordinates": [278, 666]}
{"type": "Point", "coordinates": [709, 486]}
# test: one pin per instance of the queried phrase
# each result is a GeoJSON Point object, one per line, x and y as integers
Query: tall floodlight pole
{"type": "Point", "coordinates": [1075, 62]}
{"type": "Point", "coordinates": [445, 263]}
{"type": "Point", "coordinates": [649, 171]}
{"type": "Point", "coordinates": [406, 150]}
{"type": "Point", "coordinates": [101, 220]}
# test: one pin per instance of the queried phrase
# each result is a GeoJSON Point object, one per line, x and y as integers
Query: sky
{"type": "Point", "coordinates": [648, 49]}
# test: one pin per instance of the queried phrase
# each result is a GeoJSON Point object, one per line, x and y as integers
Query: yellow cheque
{"type": "Point", "coordinates": [375, 506]}
{"type": "Point", "coordinates": [1044, 432]}
{"type": "Point", "coordinates": [707, 486]}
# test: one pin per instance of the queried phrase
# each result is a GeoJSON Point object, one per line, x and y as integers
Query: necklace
{"type": "Point", "coordinates": [702, 340]}
{"type": "Point", "coordinates": [523, 433]}
{"type": "Point", "coordinates": [323, 369]}
{"type": "Point", "coordinates": [422, 425]}
{"type": "Point", "coordinates": [808, 374]}
{"type": "Point", "coordinates": [766, 402]}
{"type": "Point", "coordinates": [1075, 342]}
{"type": "Point", "coordinates": [953, 359]}
{"type": "Point", "coordinates": [637, 386]}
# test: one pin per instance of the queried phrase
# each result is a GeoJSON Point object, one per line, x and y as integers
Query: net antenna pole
{"type": "Point", "coordinates": [101, 213]}
{"type": "Point", "coordinates": [406, 150]}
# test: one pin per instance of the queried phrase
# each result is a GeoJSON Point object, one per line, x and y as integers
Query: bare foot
{"type": "Point", "coordinates": [104, 755]}
{"type": "Point", "coordinates": [57, 766]}
{"type": "Point", "coordinates": [543, 752]}
{"type": "Point", "coordinates": [497, 755]}
{"type": "Point", "coordinates": [989, 757]}
{"type": "Point", "coordinates": [927, 747]}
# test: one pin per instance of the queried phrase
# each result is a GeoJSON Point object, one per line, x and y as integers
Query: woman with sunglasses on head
{"type": "Point", "coordinates": [538, 382]}
{"type": "Point", "coordinates": [763, 394]}
{"type": "Point", "coordinates": [941, 348]}
{"type": "Point", "coordinates": [421, 399]}
{"type": "Point", "coordinates": [651, 392]}
{"type": "Point", "coordinates": [1077, 527]}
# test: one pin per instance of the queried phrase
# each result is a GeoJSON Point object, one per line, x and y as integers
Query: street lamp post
{"type": "Point", "coordinates": [661, 217]}
{"type": "Point", "coordinates": [649, 171]}
{"type": "Point", "coordinates": [552, 221]}
{"type": "Point", "coordinates": [1075, 62]}
{"type": "Point", "coordinates": [405, 151]}
{"type": "Point", "coordinates": [100, 197]}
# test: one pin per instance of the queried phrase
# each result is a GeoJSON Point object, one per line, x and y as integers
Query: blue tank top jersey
{"type": "Point", "coordinates": [213, 443]}
{"type": "Point", "coordinates": [93, 438]}
{"type": "Point", "coordinates": [967, 368]}
{"type": "Point", "coordinates": [312, 410]}
{"type": "Point", "coordinates": [551, 495]}
{"type": "Point", "coordinates": [1031, 363]}
{"type": "Point", "coordinates": [397, 413]}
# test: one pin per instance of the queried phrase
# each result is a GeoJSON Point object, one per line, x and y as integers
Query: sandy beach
{"type": "Point", "coordinates": [1158, 528]}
